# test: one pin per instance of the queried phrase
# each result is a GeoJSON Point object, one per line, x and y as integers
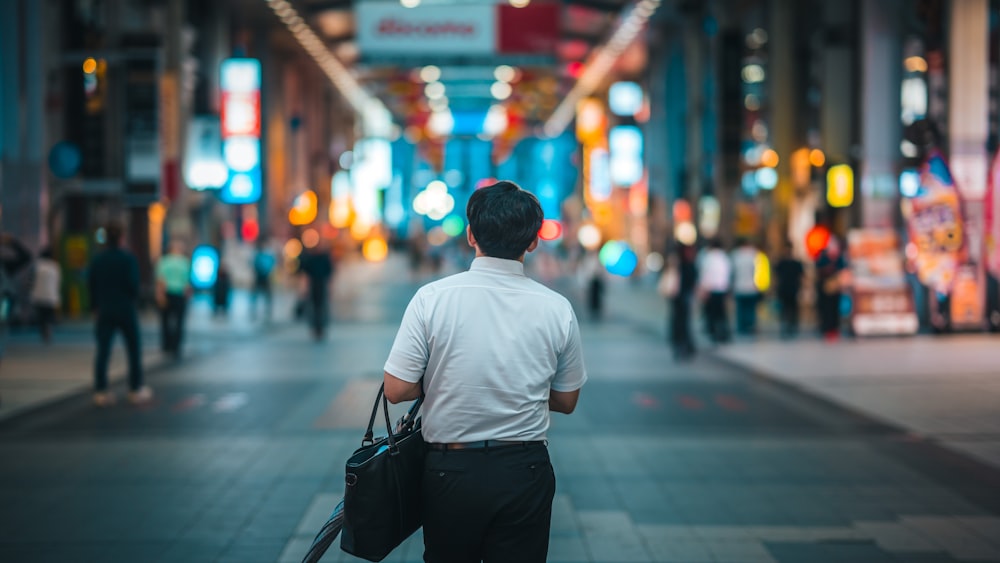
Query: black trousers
{"type": "Point", "coordinates": [492, 505]}
{"type": "Point", "coordinates": [789, 303]}
{"type": "Point", "coordinates": [172, 323]}
{"type": "Point", "coordinates": [680, 326]}
{"type": "Point", "coordinates": [107, 325]}
{"type": "Point", "coordinates": [718, 319]}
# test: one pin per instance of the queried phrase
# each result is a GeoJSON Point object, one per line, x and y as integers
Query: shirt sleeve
{"type": "Point", "coordinates": [410, 351]}
{"type": "Point", "coordinates": [570, 372]}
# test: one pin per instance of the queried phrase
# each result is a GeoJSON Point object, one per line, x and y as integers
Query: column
{"type": "Point", "coordinates": [968, 127]}
{"type": "Point", "coordinates": [881, 128]}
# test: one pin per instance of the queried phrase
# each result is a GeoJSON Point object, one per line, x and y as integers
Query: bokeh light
{"type": "Point", "coordinates": [654, 261]}
{"type": "Point", "coordinates": [551, 230]}
{"type": "Point", "coordinates": [375, 250]}
{"type": "Point", "coordinates": [589, 237]}
{"type": "Point", "coordinates": [618, 259]}
{"type": "Point", "coordinates": [310, 238]}
{"type": "Point", "coordinates": [761, 272]}
{"type": "Point", "coordinates": [816, 240]}
{"type": "Point", "coordinates": [769, 158]}
{"type": "Point", "coordinates": [437, 236]}
{"type": "Point", "coordinates": [453, 225]}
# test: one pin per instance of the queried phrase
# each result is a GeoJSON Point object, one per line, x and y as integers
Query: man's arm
{"type": "Point", "coordinates": [563, 401]}
{"type": "Point", "coordinates": [397, 390]}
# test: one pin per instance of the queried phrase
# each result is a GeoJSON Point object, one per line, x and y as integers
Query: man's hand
{"type": "Point", "coordinates": [563, 401]}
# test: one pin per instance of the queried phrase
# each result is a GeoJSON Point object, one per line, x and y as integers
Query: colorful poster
{"type": "Point", "coordinates": [934, 219]}
{"type": "Point", "coordinates": [991, 210]}
{"type": "Point", "coordinates": [883, 302]}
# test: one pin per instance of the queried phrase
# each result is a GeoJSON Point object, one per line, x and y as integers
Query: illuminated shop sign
{"type": "Point", "coordinates": [240, 127]}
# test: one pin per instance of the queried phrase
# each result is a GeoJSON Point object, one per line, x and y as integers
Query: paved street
{"type": "Point", "coordinates": [240, 459]}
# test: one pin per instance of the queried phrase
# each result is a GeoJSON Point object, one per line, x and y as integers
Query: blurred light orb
{"type": "Point", "coordinates": [551, 230]}
{"type": "Point", "coordinates": [618, 259]}
{"type": "Point", "coordinates": [817, 239]}
{"type": "Point", "coordinates": [501, 90]}
{"type": "Point", "coordinates": [589, 237]}
{"type": "Point", "coordinates": [751, 102]}
{"type": "Point", "coordinates": [437, 236]}
{"type": "Point", "coordinates": [686, 233]}
{"type": "Point", "coordinates": [915, 63]}
{"type": "Point", "coordinates": [909, 183]}
{"type": "Point", "coordinates": [817, 158]}
{"type": "Point", "coordinates": [654, 261]}
{"type": "Point", "coordinates": [204, 267]}
{"type": "Point", "coordinates": [505, 73]}
{"type": "Point", "coordinates": [292, 248]}
{"type": "Point", "coordinates": [375, 250]}
{"type": "Point", "coordinates": [681, 211]}
{"type": "Point", "coordinates": [346, 159]}
{"type": "Point", "coordinates": [157, 212]}
{"type": "Point", "coordinates": [434, 90]}
{"type": "Point", "coordinates": [453, 225]}
{"type": "Point", "coordinates": [766, 178]}
{"type": "Point", "coordinates": [430, 73]}
{"type": "Point", "coordinates": [360, 230]}
{"type": "Point", "coordinates": [89, 65]}
{"type": "Point", "coordinates": [519, 3]}
{"type": "Point", "coordinates": [101, 236]}
{"type": "Point", "coordinates": [484, 182]}
{"type": "Point", "coordinates": [753, 74]}
{"type": "Point", "coordinates": [769, 158]}
{"type": "Point", "coordinates": [409, 3]}
{"type": "Point", "coordinates": [453, 178]}
{"type": "Point", "coordinates": [310, 238]}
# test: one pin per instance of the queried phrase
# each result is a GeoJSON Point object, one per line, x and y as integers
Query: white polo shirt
{"type": "Point", "coordinates": [490, 344]}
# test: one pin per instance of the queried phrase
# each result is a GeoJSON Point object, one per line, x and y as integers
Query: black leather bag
{"type": "Point", "coordinates": [382, 499]}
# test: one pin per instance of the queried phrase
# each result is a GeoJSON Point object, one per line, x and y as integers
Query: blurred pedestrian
{"type": "Point", "coordinates": [745, 292]}
{"type": "Point", "coordinates": [263, 266]}
{"type": "Point", "coordinates": [494, 352]}
{"type": "Point", "coordinates": [592, 276]}
{"type": "Point", "coordinates": [173, 288]}
{"type": "Point", "coordinates": [678, 285]}
{"type": "Point", "coordinates": [788, 273]}
{"type": "Point", "coordinates": [113, 284]}
{"type": "Point", "coordinates": [317, 266]}
{"type": "Point", "coordinates": [221, 291]}
{"type": "Point", "coordinates": [14, 256]}
{"type": "Point", "coordinates": [829, 265]}
{"type": "Point", "coordinates": [714, 284]}
{"type": "Point", "coordinates": [45, 292]}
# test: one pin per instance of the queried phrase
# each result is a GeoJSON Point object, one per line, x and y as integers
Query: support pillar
{"type": "Point", "coordinates": [881, 128]}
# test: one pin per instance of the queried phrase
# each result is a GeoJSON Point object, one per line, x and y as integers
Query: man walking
{"type": "Point", "coordinates": [714, 283]}
{"type": "Point", "coordinates": [317, 266]}
{"type": "Point", "coordinates": [113, 282]}
{"type": "Point", "coordinates": [494, 352]}
{"type": "Point", "coordinates": [173, 287]}
{"type": "Point", "coordinates": [788, 272]}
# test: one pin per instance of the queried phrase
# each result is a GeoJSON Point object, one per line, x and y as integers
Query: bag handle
{"type": "Point", "coordinates": [407, 421]}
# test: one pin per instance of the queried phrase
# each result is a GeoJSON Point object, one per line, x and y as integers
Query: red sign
{"type": "Point", "coordinates": [533, 29]}
{"type": "Point", "coordinates": [240, 114]}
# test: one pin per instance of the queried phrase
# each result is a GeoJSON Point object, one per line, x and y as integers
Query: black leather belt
{"type": "Point", "coordinates": [484, 444]}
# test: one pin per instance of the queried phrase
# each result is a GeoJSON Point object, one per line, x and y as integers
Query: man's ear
{"type": "Point", "coordinates": [533, 245]}
{"type": "Point", "coordinates": [469, 236]}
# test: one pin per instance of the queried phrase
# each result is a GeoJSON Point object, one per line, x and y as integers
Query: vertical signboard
{"type": "Point", "coordinates": [240, 128]}
{"type": "Point", "coordinates": [142, 123]}
{"type": "Point", "coordinates": [883, 302]}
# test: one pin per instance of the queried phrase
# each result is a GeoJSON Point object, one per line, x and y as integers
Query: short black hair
{"type": "Point", "coordinates": [113, 233]}
{"type": "Point", "coordinates": [504, 219]}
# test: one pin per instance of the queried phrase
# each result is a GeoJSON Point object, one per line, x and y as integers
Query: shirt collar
{"type": "Point", "coordinates": [497, 265]}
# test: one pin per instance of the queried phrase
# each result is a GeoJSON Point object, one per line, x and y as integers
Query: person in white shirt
{"type": "Point", "coordinates": [45, 290]}
{"type": "Point", "coordinates": [493, 352]}
{"type": "Point", "coordinates": [714, 284]}
{"type": "Point", "coordinates": [745, 292]}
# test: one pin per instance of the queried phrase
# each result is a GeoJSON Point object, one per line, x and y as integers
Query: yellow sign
{"type": "Point", "coordinates": [840, 186]}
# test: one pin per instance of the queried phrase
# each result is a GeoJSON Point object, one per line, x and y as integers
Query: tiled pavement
{"type": "Point", "coordinates": [241, 459]}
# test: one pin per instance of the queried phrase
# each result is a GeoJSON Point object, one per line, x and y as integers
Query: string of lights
{"type": "Point", "coordinates": [597, 69]}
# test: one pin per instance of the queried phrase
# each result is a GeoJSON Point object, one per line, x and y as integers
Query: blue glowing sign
{"type": "Point", "coordinates": [242, 187]}
{"type": "Point", "coordinates": [204, 267]}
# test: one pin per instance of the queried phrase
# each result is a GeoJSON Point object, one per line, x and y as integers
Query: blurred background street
{"type": "Point", "coordinates": [777, 221]}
